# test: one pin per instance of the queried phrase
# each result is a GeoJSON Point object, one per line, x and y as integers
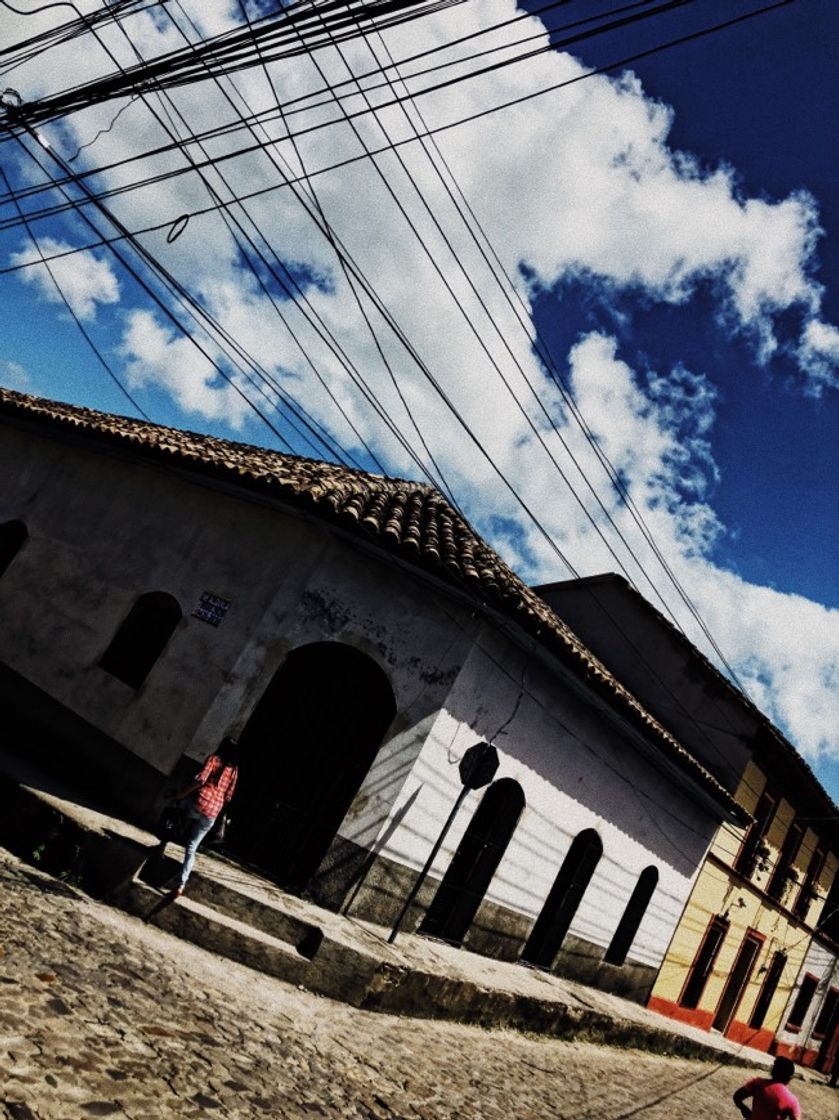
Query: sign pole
{"type": "Point", "coordinates": [477, 768]}
{"type": "Point", "coordinates": [422, 875]}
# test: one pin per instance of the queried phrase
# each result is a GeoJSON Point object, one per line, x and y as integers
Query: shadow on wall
{"type": "Point", "coordinates": [47, 745]}
{"type": "Point", "coordinates": [344, 872]}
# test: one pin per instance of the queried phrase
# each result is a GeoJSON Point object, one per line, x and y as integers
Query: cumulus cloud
{"type": "Point", "coordinates": [84, 279]}
{"type": "Point", "coordinates": [819, 355]}
{"type": "Point", "coordinates": [155, 355]}
{"type": "Point", "coordinates": [580, 183]}
{"type": "Point", "coordinates": [13, 375]}
{"type": "Point", "coordinates": [784, 647]}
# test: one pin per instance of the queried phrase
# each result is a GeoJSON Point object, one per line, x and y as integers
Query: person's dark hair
{"type": "Point", "coordinates": [783, 1070]}
{"type": "Point", "coordinates": [228, 750]}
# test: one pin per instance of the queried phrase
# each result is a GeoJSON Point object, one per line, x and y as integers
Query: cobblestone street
{"type": "Point", "coordinates": [101, 1015]}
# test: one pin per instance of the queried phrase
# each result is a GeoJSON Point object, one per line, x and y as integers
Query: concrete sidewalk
{"type": "Point", "coordinates": [237, 914]}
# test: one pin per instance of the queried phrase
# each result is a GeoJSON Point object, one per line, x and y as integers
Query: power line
{"type": "Point", "coordinates": [329, 89]}
{"type": "Point", "coordinates": [348, 276]}
{"type": "Point", "coordinates": [224, 53]}
{"type": "Point", "coordinates": [494, 324]}
{"type": "Point", "coordinates": [550, 364]}
{"type": "Point", "coordinates": [295, 105]}
{"type": "Point", "coordinates": [282, 394]}
{"type": "Point", "coordinates": [329, 233]}
{"type": "Point", "coordinates": [371, 399]}
{"type": "Point", "coordinates": [199, 314]}
{"type": "Point", "coordinates": [170, 129]}
{"type": "Point", "coordinates": [12, 113]}
{"type": "Point", "coordinates": [154, 72]}
{"type": "Point", "coordinates": [356, 273]}
{"type": "Point", "coordinates": [299, 297]}
{"type": "Point", "coordinates": [76, 319]}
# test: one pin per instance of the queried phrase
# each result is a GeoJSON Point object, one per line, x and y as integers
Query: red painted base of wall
{"type": "Point", "coordinates": [737, 1032]}
{"type": "Point", "coordinates": [797, 1054]}
{"type": "Point", "coordinates": [748, 1036]}
{"type": "Point", "coordinates": [691, 1015]}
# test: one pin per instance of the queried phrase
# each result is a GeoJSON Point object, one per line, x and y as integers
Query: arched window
{"type": "Point", "coordinates": [632, 915]}
{"type": "Point", "coordinates": [561, 904]}
{"type": "Point", "coordinates": [12, 536]}
{"type": "Point", "coordinates": [473, 865]}
{"type": "Point", "coordinates": [140, 639]}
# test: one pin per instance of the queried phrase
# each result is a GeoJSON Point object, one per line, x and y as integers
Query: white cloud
{"type": "Point", "coordinates": [577, 183]}
{"type": "Point", "coordinates": [157, 356]}
{"type": "Point", "coordinates": [13, 375]}
{"type": "Point", "coordinates": [85, 279]}
{"type": "Point", "coordinates": [784, 647]}
{"type": "Point", "coordinates": [819, 355]}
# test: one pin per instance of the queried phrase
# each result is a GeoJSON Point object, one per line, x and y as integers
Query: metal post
{"type": "Point", "coordinates": [422, 875]}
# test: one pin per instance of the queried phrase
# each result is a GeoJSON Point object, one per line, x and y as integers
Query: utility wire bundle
{"type": "Point", "coordinates": [298, 30]}
{"type": "Point", "coordinates": [303, 29]}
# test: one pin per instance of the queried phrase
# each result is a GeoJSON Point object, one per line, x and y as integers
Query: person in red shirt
{"type": "Point", "coordinates": [771, 1099]}
{"type": "Point", "coordinates": [208, 792]}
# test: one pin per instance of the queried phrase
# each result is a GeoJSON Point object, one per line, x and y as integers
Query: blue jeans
{"type": "Point", "coordinates": [201, 825]}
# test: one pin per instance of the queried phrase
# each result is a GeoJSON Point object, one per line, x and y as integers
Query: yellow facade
{"type": "Point", "coordinates": [741, 906]}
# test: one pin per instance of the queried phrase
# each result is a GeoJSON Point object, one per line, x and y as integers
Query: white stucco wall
{"type": "Point", "coordinates": [103, 530]}
{"type": "Point", "coordinates": [577, 771]}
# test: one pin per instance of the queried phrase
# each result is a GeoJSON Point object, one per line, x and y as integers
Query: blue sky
{"type": "Point", "coordinates": [663, 230]}
{"type": "Point", "coordinates": [762, 97]}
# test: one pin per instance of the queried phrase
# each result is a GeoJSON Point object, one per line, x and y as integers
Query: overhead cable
{"type": "Point", "coordinates": [100, 357]}
{"type": "Point", "coordinates": [13, 113]}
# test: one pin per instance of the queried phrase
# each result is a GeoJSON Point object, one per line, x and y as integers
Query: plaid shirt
{"type": "Point", "coordinates": [218, 784]}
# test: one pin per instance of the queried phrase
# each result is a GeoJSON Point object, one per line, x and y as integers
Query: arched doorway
{"type": "Point", "coordinates": [473, 865]}
{"type": "Point", "coordinates": [565, 896]}
{"type": "Point", "coordinates": [304, 754]}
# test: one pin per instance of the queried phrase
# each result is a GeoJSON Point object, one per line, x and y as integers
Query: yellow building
{"type": "Point", "coordinates": [750, 919]}
{"type": "Point", "coordinates": [738, 950]}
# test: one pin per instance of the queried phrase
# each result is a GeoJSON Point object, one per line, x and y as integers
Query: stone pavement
{"type": "Point", "coordinates": [241, 916]}
{"type": "Point", "coordinates": [103, 1015]}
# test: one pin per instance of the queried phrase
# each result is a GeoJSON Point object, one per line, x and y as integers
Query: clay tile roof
{"type": "Point", "coordinates": [410, 519]}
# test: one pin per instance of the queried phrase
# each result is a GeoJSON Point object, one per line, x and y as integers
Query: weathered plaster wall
{"type": "Point", "coordinates": [577, 771]}
{"type": "Point", "coordinates": [103, 530]}
{"type": "Point", "coordinates": [802, 1045]}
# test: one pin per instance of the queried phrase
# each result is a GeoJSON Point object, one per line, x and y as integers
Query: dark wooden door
{"type": "Point", "coordinates": [565, 896]}
{"type": "Point", "coordinates": [739, 977]}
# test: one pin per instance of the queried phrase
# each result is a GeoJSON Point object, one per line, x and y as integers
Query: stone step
{"type": "Point", "coordinates": [233, 898]}
{"type": "Point", "coordinates": [333, 967]}
{"type": "Point", "coordinates": [221, 933]}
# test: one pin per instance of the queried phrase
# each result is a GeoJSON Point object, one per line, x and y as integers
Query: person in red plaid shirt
{"type": "Point", "coordinates": [209, 792]}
